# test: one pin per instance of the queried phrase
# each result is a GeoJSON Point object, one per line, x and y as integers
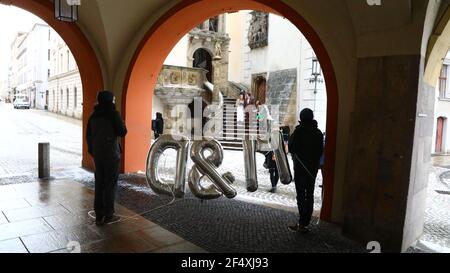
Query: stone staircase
{"type": "Point", "coordinates": [233, 133]}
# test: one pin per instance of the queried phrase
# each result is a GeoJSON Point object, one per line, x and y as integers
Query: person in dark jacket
{"type": "Point", "coordinates": [104, 128]}
{"type": "Point", "coordinates": [273, 170]}
{"type": "Point", "coordinates": [158, 125]}
{"type": "Point", "coordinates": [306, 147]}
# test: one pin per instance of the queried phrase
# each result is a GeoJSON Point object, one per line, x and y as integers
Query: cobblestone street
{"type": "Point", "coordinates": [24, 129]}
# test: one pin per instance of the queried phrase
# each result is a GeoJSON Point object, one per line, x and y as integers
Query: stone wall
{"type": "Point", "coordinates": [282, 92]}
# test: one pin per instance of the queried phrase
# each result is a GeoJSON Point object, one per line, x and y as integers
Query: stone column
{"type": "Point", "coordinates": [391, 127]}
{"type": "Point", "coordinates": [217, 75]}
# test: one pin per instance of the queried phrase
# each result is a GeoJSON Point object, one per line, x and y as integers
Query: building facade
{"type": "Point", "coordinates": [256, 52]}
{"type": "Point", "coordinates": [65, 91]}
{"type": "Point", "coordinates": [441, 133]}
{"type": "Point", "coordinates": [30, 64]}
{"type": "Point", "coordinates": [274, 54]}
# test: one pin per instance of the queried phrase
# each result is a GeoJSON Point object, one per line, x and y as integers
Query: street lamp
{"type": "Point", "coordinates": [316, 72]}
{"type": "Point", "coordinates": [67, 10]}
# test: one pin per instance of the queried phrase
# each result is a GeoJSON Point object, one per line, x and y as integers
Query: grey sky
{"type": "Point", "coordinates": [12, 20]}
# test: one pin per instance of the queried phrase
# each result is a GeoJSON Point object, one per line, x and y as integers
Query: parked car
{"type": "Point", "coordinates": [22, 102]}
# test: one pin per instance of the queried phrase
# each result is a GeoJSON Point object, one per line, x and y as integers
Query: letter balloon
{"type": "Point", "coordinates": [181, 145]}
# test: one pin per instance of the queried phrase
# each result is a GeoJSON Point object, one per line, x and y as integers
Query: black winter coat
{"type": "Point", "coordinates": [104, 128]}
{"type": "Point", "coordinates": [307, 144]}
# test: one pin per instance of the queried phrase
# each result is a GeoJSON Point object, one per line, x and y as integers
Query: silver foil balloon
{"type": "Point", "coordinates": [181, 145]}
{"type": "Point", "coordinates": [251, 175]}
{"type": "Point", "coordinates": [207, 166]}
{"type": "Point", "coordinates": [210, 192]}
{"type": "Point", "coordinates": [281, 157]}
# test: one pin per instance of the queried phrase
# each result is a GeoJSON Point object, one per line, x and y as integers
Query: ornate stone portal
{"type": "Point", "coordinates": [212, 37]}
{"type": "Point", "coordinates": [258, 32]}
{"type": "Point", "coordinates": [177, 87]}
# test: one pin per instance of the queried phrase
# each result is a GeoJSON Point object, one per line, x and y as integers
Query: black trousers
{"type": "Point", "coordinates": [304, 185]}
{"type": "Point", "coordinates": [274, 177]}
{"type": "Point", "coordinates": [106, 177]}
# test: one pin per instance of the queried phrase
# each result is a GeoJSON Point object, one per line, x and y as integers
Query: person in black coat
{"type": "Point", "coordinates": [104, 128]}
{"type": "Point", "coordinates": [306, 147]}
{"type": "Point", "coordinates": [158, 125]}
{"type": "Point", "coordinates": [271, 164]}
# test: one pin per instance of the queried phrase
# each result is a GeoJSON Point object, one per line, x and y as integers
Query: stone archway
{"type": "Point", "coordinates": [157, 44]}
{"type": "Point", "coordinates": [86, 59]}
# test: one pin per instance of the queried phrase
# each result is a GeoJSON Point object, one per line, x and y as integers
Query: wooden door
{"type": "Point", "coordinates": [439, 135]}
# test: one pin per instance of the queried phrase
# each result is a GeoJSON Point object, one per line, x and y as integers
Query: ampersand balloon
{"type": "Point", "coordinates": [207, 167]}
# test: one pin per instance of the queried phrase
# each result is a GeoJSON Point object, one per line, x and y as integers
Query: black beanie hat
{"type": "Point", "coordinates": [105, 97]}
{"type": "Point", "coordinates": [306, 115]}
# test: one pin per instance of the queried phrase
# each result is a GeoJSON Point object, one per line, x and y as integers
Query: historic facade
{"type": "Point", "coordinates": [441, 133]}
{"type": "Point", "coordinates": [30, 65]}
{"type": "Point", "coordinates": [65, 91]}
{"type": "Point", "coordinates": [256, 52]}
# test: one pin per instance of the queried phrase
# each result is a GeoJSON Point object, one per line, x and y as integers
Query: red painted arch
{"type": "Point", "coordinates": [88, 65]}
{"type": "Point", "coordinates": [164, 35]}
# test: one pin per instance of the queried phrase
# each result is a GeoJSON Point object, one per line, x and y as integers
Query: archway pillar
{"type": "Point", "coordinates": [386, 177]}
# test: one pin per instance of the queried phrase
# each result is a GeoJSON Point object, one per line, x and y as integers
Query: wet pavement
{"type": "Point", "coordinates": [52, 217]}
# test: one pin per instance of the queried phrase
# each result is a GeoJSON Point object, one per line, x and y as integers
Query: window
{"type": "Point", "coordinates": [214, 24]}
{"type": "Point", "coordinates": [68, 60]}
{"type": "Point", "coordinates": [75, 98]}
{"type": "Point", "coordinates": [48, 73]}
{"type": "Point", "coordinates": [67, 97]}
{"type": "Point", "coordinates": [49, 54]}
{"type": "Point", "coordinates": [61, 100]}
{"type": "Point", "coordinates": [443, 90]}
{"type": "Point", "coordinates": [61, 64]}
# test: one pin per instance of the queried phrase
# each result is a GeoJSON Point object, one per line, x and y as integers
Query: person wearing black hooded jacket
{"type": "Point", "coordinates": [104, 128]}
{"type": "Point", "coordinates": [306, 147]}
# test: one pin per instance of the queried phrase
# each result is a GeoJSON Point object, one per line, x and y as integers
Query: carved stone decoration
{"type": "Point", "coordinates": [175, 77]}
{"type": "Point", "coordinates": [192, 79]}
{"type": "Point", "coordinates": [218, 51]}
{"type": "Point", "coordinates": [258, 33]}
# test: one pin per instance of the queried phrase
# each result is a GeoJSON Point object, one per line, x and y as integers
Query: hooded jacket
{"type": "Point", "coordinates": [306, 144]}
{"type": "Point", "coordinates": [104, 128]}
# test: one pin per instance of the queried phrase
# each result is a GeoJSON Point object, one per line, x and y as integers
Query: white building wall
{"type": "Point", "coordinates": [177, 56]}
{"type": "Point", "coordinates": [65, 95]}
{"type": "Point", "coordinates": [30, 64]}
{"type": "Point", "coordinates": [287, 49]}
